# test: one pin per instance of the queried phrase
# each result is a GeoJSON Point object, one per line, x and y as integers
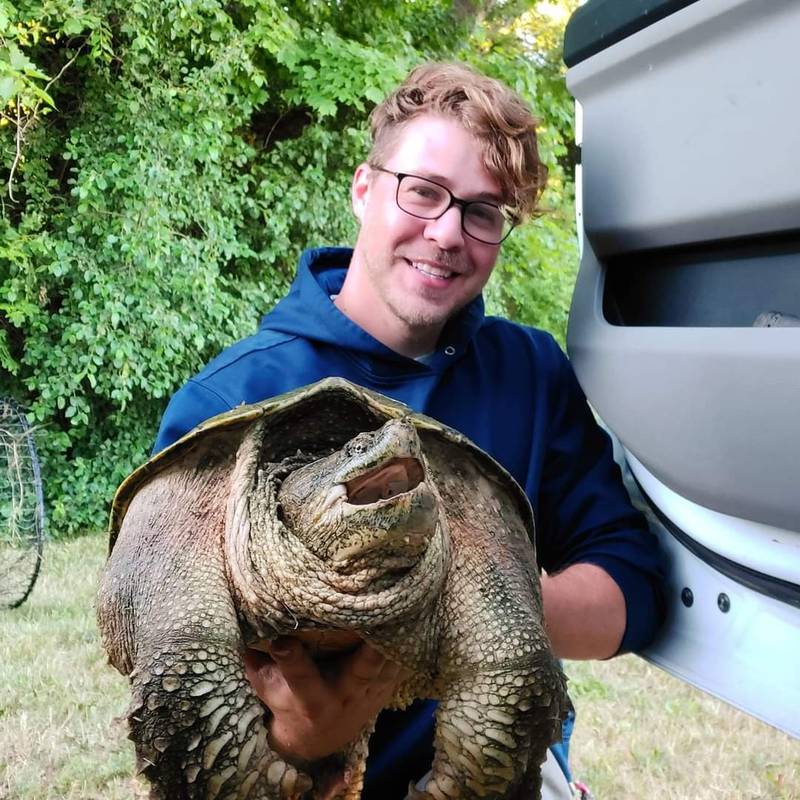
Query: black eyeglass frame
{"type": "Point", "coordinates": [454, 201]}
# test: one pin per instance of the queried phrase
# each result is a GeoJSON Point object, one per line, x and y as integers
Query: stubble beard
{"type": "Point", "coordinates": [416, 312]}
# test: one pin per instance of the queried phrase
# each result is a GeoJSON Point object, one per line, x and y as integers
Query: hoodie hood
{"type": "Point", "coordinates": [308, 311]}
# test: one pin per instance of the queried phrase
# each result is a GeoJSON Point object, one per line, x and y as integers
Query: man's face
{"type": "Point", "coordinates": [420, 272]}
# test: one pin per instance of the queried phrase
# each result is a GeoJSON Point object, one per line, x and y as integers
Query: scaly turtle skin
{"type": "Point", "coordinates": [336, 515]}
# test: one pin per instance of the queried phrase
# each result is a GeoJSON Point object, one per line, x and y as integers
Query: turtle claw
{"type": "Point", "coordinates": [416, 794]}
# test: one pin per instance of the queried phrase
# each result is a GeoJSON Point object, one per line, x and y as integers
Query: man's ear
{"type": "Point", "coordinates": [359, 191]}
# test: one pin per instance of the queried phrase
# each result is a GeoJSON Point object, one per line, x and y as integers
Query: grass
{"type": "Point", "coordinates": [643, 734]}
{"type": "Point", "coordinates": [640, 733]}
{"type": "Point", "coordinates": [59, 736]}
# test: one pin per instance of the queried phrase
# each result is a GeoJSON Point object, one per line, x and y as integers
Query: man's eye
{"type": "Point", "coordinates": [425, 192]}
{"type": "Point", "coordinates": [483, 214]}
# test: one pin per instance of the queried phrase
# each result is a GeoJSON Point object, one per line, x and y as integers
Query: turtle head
{"type": "Point", "coordinates": [368, 504]}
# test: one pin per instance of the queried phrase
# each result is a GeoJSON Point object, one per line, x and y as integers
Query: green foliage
{"type": "Point", "coordinates": [162, 164]}
{"type": "Point", "coordinates": [536, 271]}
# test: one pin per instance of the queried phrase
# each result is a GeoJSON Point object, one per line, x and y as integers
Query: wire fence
{"type": "Point", "coordinates": [21, 507]}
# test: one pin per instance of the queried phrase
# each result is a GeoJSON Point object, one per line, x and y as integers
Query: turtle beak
{"type": "Point", "coordinates": [390, 479]}
{"type": "Point", "coordinates": [393, 465]}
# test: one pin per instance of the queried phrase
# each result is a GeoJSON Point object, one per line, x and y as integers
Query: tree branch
{"type": "Point", "coordinates": [30, 118]}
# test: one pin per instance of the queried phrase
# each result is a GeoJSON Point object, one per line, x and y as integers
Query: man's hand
{"type": "Point", "coordinates": [315, 715]}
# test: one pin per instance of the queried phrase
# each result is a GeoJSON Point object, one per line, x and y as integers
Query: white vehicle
{"type": "Point", "coordinates": [685, 324]}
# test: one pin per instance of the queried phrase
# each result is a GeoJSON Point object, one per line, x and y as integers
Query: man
{"type": "Point", "coordinates": [453, 166]}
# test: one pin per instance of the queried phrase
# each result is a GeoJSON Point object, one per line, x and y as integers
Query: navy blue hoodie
{"type": "Point", "coordinates": [507, 387]}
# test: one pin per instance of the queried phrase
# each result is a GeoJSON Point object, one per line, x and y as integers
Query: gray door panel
{"type": "Point", "coordinates": [713, 412]}
{"type": "Point", "coordinates": [693, 127]}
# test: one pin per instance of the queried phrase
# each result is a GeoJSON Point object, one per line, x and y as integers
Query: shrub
{"type": "Point", "coordinates": [165, 161]}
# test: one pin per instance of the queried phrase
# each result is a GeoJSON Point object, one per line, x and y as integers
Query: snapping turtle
{"type": "Point", "coordinates": [335, 511]}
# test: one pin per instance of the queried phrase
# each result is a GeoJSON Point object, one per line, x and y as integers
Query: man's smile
{"type": "Point", "coordinates": [430, 269]}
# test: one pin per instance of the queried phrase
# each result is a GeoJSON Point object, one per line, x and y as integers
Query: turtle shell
{"type": "Point", "coordinates": [317, 418]}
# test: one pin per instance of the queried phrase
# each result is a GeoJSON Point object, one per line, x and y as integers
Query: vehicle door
{"type": "Point", "coordinates": [684, 324]}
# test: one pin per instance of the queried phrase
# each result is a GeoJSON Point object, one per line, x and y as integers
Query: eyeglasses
{"type": "Point", "coordinates": [427, 199]}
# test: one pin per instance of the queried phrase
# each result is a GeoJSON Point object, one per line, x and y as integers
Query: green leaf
{"type": "Point", "coordinates": [19, 61]}
{"type": "Point", "coordinates": [73, 26]}
{"type": "Point", "coordinates": [9, 88]}
{"type": "Point", "coordinates": [7, 361]}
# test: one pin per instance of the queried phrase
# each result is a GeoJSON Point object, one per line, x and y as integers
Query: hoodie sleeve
{"type": "Point", "coordinates": [194, 403]}
{"type": "Point", "coordinates": [585, 514]}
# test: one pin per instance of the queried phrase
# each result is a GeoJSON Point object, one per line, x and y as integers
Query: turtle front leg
{"type": "Point", "coordinates": [197, 725]}
{"type": "Point", "coordinates": [492, 735]}
{"type": "Point", "coordinates": [199, 730]}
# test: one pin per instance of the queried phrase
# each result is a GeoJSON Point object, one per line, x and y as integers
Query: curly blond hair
{"type": "Point", "coordinates": [497, 116]}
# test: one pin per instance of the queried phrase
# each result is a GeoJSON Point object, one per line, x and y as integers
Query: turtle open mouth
{"type": "Point", "coordinates": [394, 477]}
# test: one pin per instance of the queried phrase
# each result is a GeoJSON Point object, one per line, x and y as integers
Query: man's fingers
{"type": "Point", "coordinates": [366, 664]}
{"type": "Point", "coordinates": [288, 680]}
{"type": "Point", "coordinates": [315, 714]}
{"type": "Point", "coordinates": [285, 650]}
{"type": "Point", "coordinates": [254, 661]}
{"type": "Point", "coordinates": [367, 667]}
{"type": "Point", "coordinates": [259, 670]}
{"type": "Point", "coordinates": [300, 675]}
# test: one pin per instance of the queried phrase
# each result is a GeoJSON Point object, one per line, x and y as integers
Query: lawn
{"type": "Point", "coordinates": [640, 734]}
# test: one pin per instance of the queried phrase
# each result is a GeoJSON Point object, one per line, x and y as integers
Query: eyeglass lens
{"type": "Point", "coordinates": [428, 200]}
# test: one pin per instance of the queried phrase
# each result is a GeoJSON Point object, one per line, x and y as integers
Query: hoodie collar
{"type": "Point", "coordinates": [308, 311]}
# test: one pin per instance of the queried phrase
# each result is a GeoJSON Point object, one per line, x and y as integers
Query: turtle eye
{"type": "Point", "coordinates": [363, 443]}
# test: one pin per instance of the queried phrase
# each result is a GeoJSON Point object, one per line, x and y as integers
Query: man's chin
{"type": "Point", "coordinates": [425, 318]}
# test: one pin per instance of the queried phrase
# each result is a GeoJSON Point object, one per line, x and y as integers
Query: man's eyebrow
{"type": "Point", "coordinates": [488, 197]}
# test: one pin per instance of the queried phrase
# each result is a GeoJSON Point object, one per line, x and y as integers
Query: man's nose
{"type": "Point", "coordinates": [446, 230]}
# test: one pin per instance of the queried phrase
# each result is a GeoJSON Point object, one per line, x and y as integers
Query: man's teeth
{"type": "Point", "coordinates": [432, 271]}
